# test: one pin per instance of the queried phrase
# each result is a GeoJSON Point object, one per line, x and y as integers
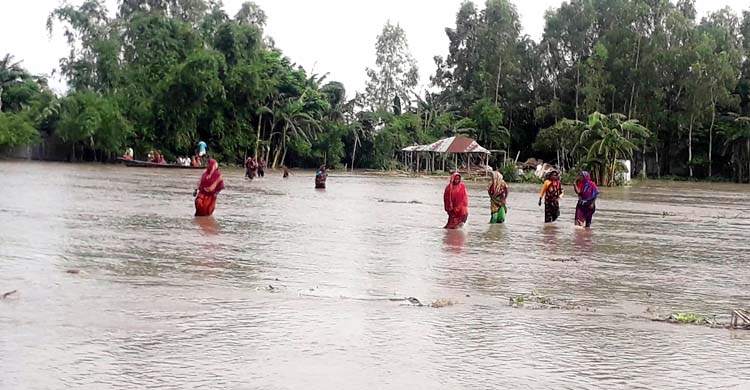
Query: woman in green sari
{"type": "Point", "coordinates": [498, 191]}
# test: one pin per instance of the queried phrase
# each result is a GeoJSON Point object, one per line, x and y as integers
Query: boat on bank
{"type": "Point", "coordinates": [149, 164]}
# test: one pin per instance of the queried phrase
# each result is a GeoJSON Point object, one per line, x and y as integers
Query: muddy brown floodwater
{"type": "Point", "coordinates": [288, 287]}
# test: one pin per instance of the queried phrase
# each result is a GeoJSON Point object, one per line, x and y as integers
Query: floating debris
{"type": "Point", "coordinates": [73, 271]}
{"type": "Point", "coordinates": [740, 315]}
{"type": "Point", "coordinates": [740, 319]}
{"type": "Point", "coordinates": [566, 260]}
{"type": "Point", "coordinates": [537, 301]}
{"type": "Point", "coordinates": [442, 303]}
{"type": "Point", "coordinates": [9, 293]}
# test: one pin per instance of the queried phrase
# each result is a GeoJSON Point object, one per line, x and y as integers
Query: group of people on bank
{"type": "Point", "coordinates": [456, 199]}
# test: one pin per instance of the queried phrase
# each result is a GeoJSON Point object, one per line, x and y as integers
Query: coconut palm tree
{"type": "Point", "coordinates": [11, 73]}
{"type": "Point", "coordinates": [608, 138]}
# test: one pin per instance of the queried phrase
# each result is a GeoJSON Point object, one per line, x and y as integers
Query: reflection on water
{"type": "Point", "coordinates": [208, 225]}
{"type": "Point", "coordinates": [455, 240]}
{"type": "Point", "coordinates": [257, 296]}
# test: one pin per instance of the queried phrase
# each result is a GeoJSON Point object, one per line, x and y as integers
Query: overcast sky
{"type": "Point", "coordinates": [327, 36]}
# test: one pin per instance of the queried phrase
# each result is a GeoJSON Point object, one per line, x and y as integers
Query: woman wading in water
{"type": "Point", "coordinates": [587, 193]}
{"type": "Point", "coordinates": [498, 192]}
{"type": "Point", "coordinates": [321, 176]}
{"type": "Point", "coordinates": [456, 202]}
{"type": "Point", "coordinates": [208, 189]}
{"type": "Point", "coordinates": [552, 191]}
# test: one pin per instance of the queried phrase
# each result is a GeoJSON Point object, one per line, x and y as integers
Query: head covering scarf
{"type": "Point", "coordinates": [588, 190]}
{"type": "Point", "coordinates": [211, 176]}
{"type": "Point", "coordinates": [497, 185]}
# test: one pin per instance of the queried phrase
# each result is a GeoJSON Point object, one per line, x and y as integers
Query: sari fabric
{"type": "Point", "coordinates": [320, 177]}
{"type": "Point", "coordinates": [498, 192]}
{"type": "Point", "coordinates": [250, 168]}
{"type": "Point", "coordinates": [551, 191]}
{"type": "Point", "coordinates": [208, 189]}
{"type": "Point", "coordinates": [456, 202]}
{"type": "Point", "coordinates": [587, 194]}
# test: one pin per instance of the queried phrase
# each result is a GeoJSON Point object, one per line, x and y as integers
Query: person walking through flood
{"type": "Point", "coordinates": [250, 168]}
{"type": "Point", "coordinates": [208, 189]}
{"type": "Point", "coordinates": [587, 193]}
{"type": "Point", "coordinates": [552, 191]}
{"type": "Point", "coordinates": [498, 192]}
{"type": "Point", "coordinates": [321, 176]}
{"type": "Point", "coordinates": [456, 202]}
{"type": "Point", "coordinates": [285, 171]}
{"type": "Point", "coordinates": [262, 168]}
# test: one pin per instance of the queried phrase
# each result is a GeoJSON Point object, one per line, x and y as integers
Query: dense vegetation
{"type": "Point", "coordinates": [610, 79]}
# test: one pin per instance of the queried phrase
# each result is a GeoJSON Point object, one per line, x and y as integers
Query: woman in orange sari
{"type": "Point", "coordinates": [456, 201]}
{"type": "Point", "coordinates": [208, 189]}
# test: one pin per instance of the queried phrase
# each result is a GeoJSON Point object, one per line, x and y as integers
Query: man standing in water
{"type": "Point", "coordinates": [202, 149]}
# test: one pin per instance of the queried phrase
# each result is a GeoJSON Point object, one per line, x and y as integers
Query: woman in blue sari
{"type": "Point", "coordinates": [587, 193]}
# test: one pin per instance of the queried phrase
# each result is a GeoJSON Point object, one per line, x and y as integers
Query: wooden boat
{"type": "Point", "coordinates": [148, 164]}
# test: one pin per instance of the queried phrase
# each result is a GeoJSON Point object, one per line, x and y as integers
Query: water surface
{"type": "Point", "coordinates": [288, 287]}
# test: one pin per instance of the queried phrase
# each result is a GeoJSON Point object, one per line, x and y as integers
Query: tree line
{"type": "Point", "coordinates": [644, 80]}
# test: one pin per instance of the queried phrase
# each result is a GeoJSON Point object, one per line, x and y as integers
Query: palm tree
{"type": "Point", "coordinates": [294, 123]}
{"type": "Point", "coordinates": [608, 138]}
{"type": "Point", "coordinates": [10, 73]}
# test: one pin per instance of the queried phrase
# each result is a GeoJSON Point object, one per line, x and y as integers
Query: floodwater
{"type": "Point", "coordinates": [288, 287]}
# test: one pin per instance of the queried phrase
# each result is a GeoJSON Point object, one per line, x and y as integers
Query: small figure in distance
{"type": "Point", "coordinates": [321, 176]}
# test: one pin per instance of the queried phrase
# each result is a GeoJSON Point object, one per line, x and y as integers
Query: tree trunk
{"type": "Point", "coordinates": [578, 84]}
{"type": "Point", "coordinates": [632, 89]}
{"type": "Point", "coordinates": [497, 84]}
{"type": "Point", "coordinates": [690, 144]}
{"type": "Point", "coordinates": [354, 151]}
{"type": "Point", "coordinates": [748, 159]}
{"type": "Point", "coordinates": [711, 134]}
{"type": "Point", "coordinates": [643, 168]}
{"type": "Point", "coordinates": [257, 140]}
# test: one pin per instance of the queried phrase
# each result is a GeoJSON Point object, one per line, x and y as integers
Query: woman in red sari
{"type": "Point", "coordinates": [456, 202]}
{"type": "Point", "coordinates": [209, 187]}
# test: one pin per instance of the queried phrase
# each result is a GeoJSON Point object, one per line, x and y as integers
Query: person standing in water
{"type": "Point", "coordinates": [552, 191]}
{"type": "Point", "coordinates": [261, 168]}
{"type": "Point", "coordinates": [285, 171]}
{"type": "Point", "coordinates": [321, 176]}
{"type": "Point", "coordinates": [250, 168]}
{"type": "Point", "coordinates": [498, 192]}
{"type": "Point", "coordinates": [456, 202]}
{"type": "Point", "coordinates": [210, 185]}
{"type": "Point", "coordinates": [587, 193]}
{"type": "Point", "coordinates": [202, 149]}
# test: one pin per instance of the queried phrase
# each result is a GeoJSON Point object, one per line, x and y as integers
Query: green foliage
{"type": "Point", "coordinates": [86, 118]}
{"type": "Point", "coordinates": [166, 74]}
{"type": "Point", "coordinates": [16, 130]}
{"type": "Point", "coordinates": [687, 318]}
{"type": "Point", "coordinates": [396, 74]}
{"type": "Point", "coordinates": [509, 172]}
{"type": "Point", "coordinates": [530, 177]}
